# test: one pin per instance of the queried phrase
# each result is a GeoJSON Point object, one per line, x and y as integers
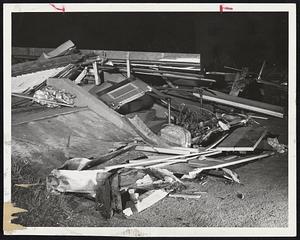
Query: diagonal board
{"type": "Point", "coordinates": [242, 139]}
{"type": "Point", "coordinates": [207, 164]}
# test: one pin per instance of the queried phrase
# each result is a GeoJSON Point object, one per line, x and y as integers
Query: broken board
{"type": "Point", "coordinates": [242, 139]}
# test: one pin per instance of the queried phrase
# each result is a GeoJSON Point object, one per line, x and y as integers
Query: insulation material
{"type": "Point", "coordinates": [53, 94]}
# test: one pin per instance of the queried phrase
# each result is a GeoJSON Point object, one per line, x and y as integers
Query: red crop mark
{"type": "Point", "coordinates": [222, 8]}
{"type": "Point", "coordinates": [61, 9]}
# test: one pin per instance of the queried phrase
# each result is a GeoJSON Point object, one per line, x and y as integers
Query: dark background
{"type": "Point", "coordinates": [235, 39]}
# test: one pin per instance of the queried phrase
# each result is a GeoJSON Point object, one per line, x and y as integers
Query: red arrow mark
{"type": "Point", "coordinates": [62, 8]}
{"type": "Point", "coordinates": [222, 8]}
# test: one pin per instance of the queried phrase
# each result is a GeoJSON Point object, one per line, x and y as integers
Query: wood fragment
{"type": "Point", "coordinates": [130, 165]}
{"type": "Point", "coordinates": [146, 200]}
{"type": "Point", "coordinates": [103, 195]}
{"type": "Point", "coordinates": [247, 104]}
{"type": "Point", "coordinates": [185, 196]}
{"type": "Point", "coordinates": [162, 150]}
{"type": "Point", "coordinates": [213, 165]}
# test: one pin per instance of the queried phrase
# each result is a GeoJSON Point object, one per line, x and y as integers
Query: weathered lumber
{"type": "Point", "coordinates": [162, 150]}
{"type": "Point", "coordinates": [207, 164]}
{"type": "Point", "coordinates": [146, 200]}
{"type": "Point", "coordinates": [60, 50]}
{"type": "Point", "coordinates": [238, 102]}
{"type": "Point", "coordinates": [134, 55]}
{"type": "Point", "coordinates": [129, 165]}
{"type": "Point", "coordinates": [103, 195]}
{"type": "Point", "coordinates": [38, 65]}
{"type": "Point", "coordinates": [84, 98]}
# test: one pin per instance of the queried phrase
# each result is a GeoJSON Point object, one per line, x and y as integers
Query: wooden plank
{"type": "Point", "coordinates": [28, 82]}
{"type": "Point", "coordinates": [38, 65]}
{"type": "Point", "coordinates": [84, 98]}
{"type": "Point", "coordinates": [242, 139]}
{"type": "Point", "coordinates": [162, 150]}
{"type": "Point", "coordinates": [208, 164]}
{"type": "Point", "coordinates": [247, 104]}
{"type": "Point", "coordinates": [135, 55]}
{"type": "Point", "coordinates": [146, 200]}
{"type": "Point", "coordinates": [61, 49]}
{"type": "Point", "coordinates": [41, 114]}
{"type": "Point", "coordinates": [129, 165]}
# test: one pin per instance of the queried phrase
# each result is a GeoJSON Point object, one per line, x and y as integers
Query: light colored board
{"type": "Point", "coordinates": [26, 82]}
{"type": "Point", "coordinates": [243, 103]}
{"type": "Point", "coordinates": [209, 164]}
{"type": "Point", "coordinates": [162, 150]}
{"type": "Point", "coordinates": [36, 52]}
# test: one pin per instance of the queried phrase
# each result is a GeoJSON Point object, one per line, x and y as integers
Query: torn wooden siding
{"type": "Point", "coordinates": [52, 140]}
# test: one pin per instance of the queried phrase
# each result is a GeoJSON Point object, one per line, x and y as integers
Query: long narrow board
{"type": "Point", "coordinates": [209, 163]}
{"type": "Point", "coordinates": [243, 103]}
{"type": "Point", "coordinates": [242, 139]}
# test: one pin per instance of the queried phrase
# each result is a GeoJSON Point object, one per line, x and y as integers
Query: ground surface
{"type": "Point", "coordinates": [264, 184]}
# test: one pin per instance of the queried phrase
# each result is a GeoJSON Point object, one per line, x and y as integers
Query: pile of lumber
{"type": "Point", "coordinates": [219, 127]}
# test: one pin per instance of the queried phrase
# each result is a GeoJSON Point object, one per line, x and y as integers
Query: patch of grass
{"type": "Point", "coordinates": [45, 209]}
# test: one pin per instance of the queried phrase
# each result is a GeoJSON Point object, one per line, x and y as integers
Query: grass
{"type": "Point", "coordinates": [44, 209]}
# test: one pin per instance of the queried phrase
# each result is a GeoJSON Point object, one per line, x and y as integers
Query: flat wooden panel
{"type": "Point", "coordinates": [51, 141]}
{"type": "Point", "coordinates": [243, 138]}
{"type": "Point", "coordinates": [33, 114]}
{"type": "Point", "coordinates": [84, 98]}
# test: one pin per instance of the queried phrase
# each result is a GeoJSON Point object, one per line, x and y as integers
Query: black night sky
{"type": "Point", "coordinates": [237, 39]}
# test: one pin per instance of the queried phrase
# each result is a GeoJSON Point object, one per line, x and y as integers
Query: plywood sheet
{"type": "Point", "coordinates": [242, 139]}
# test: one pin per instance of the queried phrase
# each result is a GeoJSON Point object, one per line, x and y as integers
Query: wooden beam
{"type": "Point", "coordinates": [163, 150]}
{"type": "Point", "coordinates": [129, 165]}
{"type": "Point", "coordinates": [38, 65]}
{"type": "Point", "coordinates": [134, 55]}
{"type": "Point", "coordinates": [247, 104]}
{"type": "Point", "coordinates": [207, 164]}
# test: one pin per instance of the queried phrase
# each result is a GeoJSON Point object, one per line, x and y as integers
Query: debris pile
{"type": "Point", "coordinates": [184, 125]}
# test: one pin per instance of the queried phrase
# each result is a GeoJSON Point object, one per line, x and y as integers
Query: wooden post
{"type": "Point", "coordinates": [103, 195]}
{"type": "Point", "coordinates": [97, 79]}
{"type": "Point", "coordinates": [128, 65]}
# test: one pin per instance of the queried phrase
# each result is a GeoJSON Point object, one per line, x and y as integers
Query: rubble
{"type": "Point", "coordinates": [204, 129]}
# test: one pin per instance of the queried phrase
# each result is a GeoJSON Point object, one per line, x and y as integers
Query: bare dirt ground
{"type": "Point", "coordinates": [264, 184]}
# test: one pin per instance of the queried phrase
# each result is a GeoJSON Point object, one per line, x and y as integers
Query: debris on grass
{"type": "Point", "coordinates": [205, 129]}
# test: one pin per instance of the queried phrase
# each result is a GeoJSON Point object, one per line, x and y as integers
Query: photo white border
{"type": "Point", "coordinates": [8, 9]}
